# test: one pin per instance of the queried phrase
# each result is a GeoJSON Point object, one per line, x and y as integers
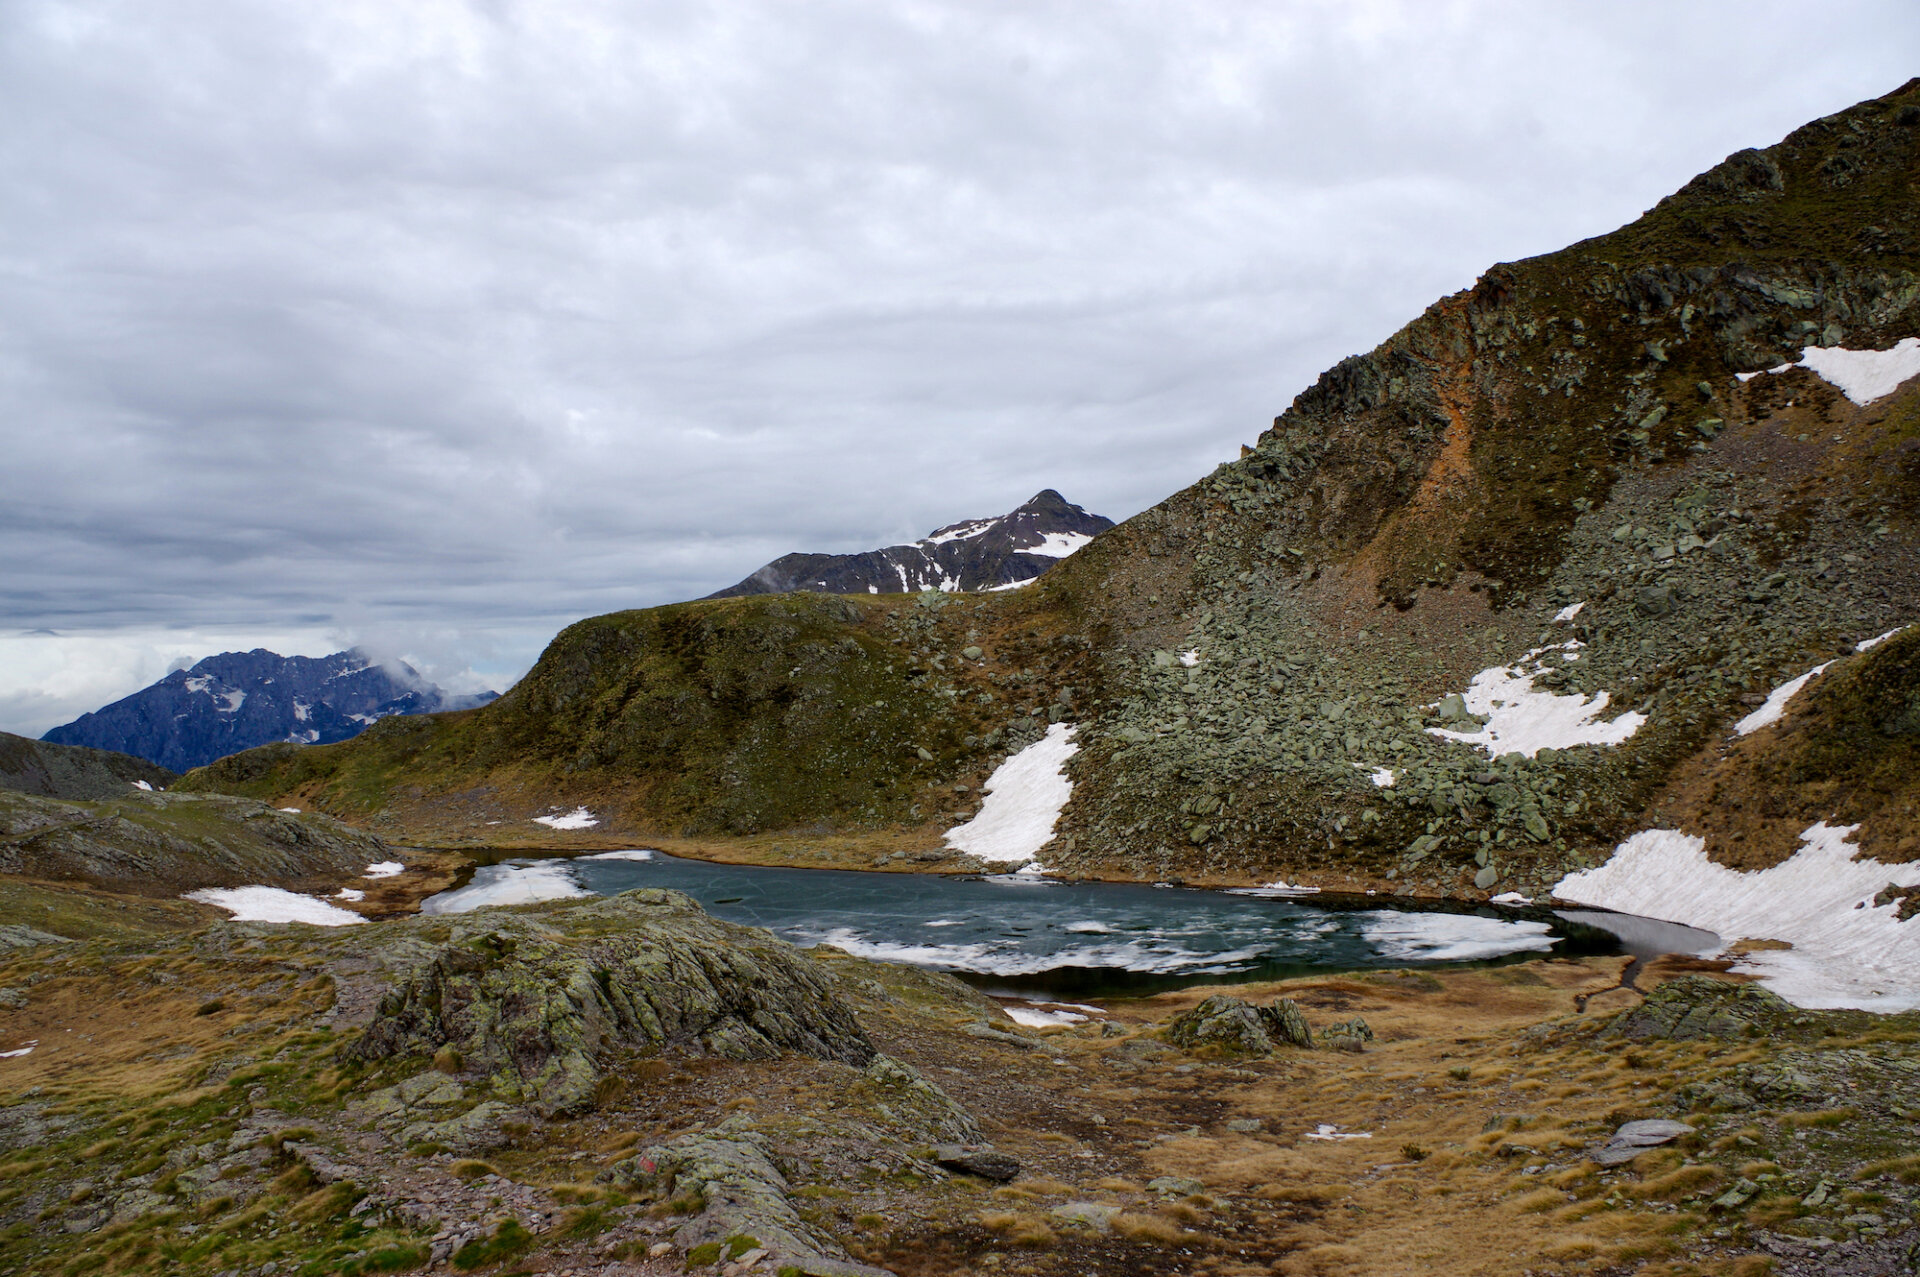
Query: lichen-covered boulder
{"type": "Point", "coordinates": [1692, 1007]}
{"type": "Point", "coordinates": [540, 1001]}
{"type": "Point", "coordinates": [1236, 1026]}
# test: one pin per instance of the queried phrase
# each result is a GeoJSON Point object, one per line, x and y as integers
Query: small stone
{"type": "Point", "coordinates": [1244, 1125]}
{"type": "Point", "coordinates": [971, 653]}
{"type": "Point", "coordinates": [1175, 1186]}
{"type": "Point", "coordinates": [1091, 1215]}
{"type": "Point", "coordinates": [1486, 877]}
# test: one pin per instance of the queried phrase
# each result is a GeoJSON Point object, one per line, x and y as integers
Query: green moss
{"type": "Point", "coordinates": [508, 1239]}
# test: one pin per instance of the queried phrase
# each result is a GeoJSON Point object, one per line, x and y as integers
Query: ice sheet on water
{"type": "Point", "coordinates": [1452, 937]}
{"type": "Point", "coordinates": [272, 904]}
{"type": "Point", "coordinates": [637, 853]}
{"type": "Point", "coordinates": [508, 884]}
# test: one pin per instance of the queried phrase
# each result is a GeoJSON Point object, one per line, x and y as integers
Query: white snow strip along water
{"type": "Point", "coordinates": [16, 1054]}
{"type": "Point", "coordinates": [1035, 1018]}
{"type": "Point", "coordinates": [1523, 721]}
{"type": "Point", "coordinates": [1867, 645]}
{"type": "Point", "coordinates": [1024, 797]}
{"type": "Point", "coordinates": [1451, 937]}
{"type": "Point", "coordinates": [385, 869]}
{"type": "Point", "coordinates": [1568, 612]}
{"type": "Point", "coordinates": [508, 884]}
{"type": "Point", "coordinates": [635, 854]}
{"type": "Point", "coordinates": [1511, 898]}
{"type": "Point", "coordinates": [1776, 703]}
{"type": "Point", "coordinates": [578, 818]}
{"type": "Point", "coordinates": [1058, 545]}
{"type": "Point", "coordinates": [1274, 890]}
{"type": "Point", "coordinates": [1155, 955]}
{"type": "Point", "coordinates": [271, 904]}
{"type": "Point", "coordinates": [1847, 951]}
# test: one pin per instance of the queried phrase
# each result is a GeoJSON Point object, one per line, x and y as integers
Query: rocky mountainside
{"type": "Point", "coordinates": [1480, 604]}
{"type": "Point", "coordinates": [238, 700]}
{"type": "Point", "coordinates": [72, 771]}
{"type": "Point", "coordinates": [978, 554]}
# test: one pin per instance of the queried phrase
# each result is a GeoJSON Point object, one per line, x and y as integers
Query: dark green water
{"type": "Point", "coordinates": [1065, 939]}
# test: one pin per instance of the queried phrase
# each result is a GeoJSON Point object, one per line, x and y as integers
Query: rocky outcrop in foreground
{"type": "Point", "coordinates": [540, 1014]}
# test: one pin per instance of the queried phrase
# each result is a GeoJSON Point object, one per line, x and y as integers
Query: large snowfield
{"type": "Point", "coordinates": [1847, 951]}
{"type": "Point", "coordinates": [1025, 796]}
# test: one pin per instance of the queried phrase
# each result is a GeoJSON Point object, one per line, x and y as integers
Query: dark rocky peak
{"type": "Point", "coordinates": [975, 554]}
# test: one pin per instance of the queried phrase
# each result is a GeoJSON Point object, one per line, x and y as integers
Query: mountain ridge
{"type": "Point", "coordinates": [237, 700]}
{"type": "Point", "coordinates": [997, 553]}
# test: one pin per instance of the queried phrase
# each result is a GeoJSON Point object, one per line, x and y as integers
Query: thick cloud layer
{"type": "Point", "coordinates": [452, 322]}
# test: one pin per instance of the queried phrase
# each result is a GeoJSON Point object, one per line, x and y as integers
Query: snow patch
{"type": "Point", "coordinates": [1776, 703]}
{"type": "Point", "coordinates": [1328, 1131]}
{"type": "Point", "coordinates": [1035, 1018]}
{"type": "Point", "coordinates": [385, 869]}
{"type": "Point", "coordinates": [302, 711]}
{"type": "Point", "coordinates": [508, 884]}
{"type": "Point", "coordinates": [141, 784]}
{"type": "Point", "coordinates": [1511, 898]}
{"type": "Point", "coordinates": [1025, 795]}
{"type": "Point", "coordinates": [1058, 545]}
{"type": "Point", "coordinates": [348, 893]}
{"type": "Point", "coordinates": [1847, 951]}
{"type": "Point", "coordinates": [1011, 585]}
{"type": "Point", "coordinates": [271, 904]}
{"type": "Point", "coordinates": [578, 818]}
{"type": "Point", "coordinates": [1190, 658]}
{"type": "Point", "coordinates": [199, 683]}
{"type": "Point", "coordinates": [1383, 777]}
{"type": "Point", "coordinates": [1523, 721]}
{"type": "Point", "coordinates": [1861, 375]}
{"type": "Point", "coordinates": [1867, 645]}
{"type": "Point", "coordinates": [1451, 937]}
{"type": "Point", "coordinates": [291, 811]}
{"type": "Point", "coordinates": [17, 1053]}
{"type": "Point", "coordinates": [233, 701]}
{"type": "Point", "coordinates": [1568, 612]}
{"type": "Point", "coordinates": [961, 532]}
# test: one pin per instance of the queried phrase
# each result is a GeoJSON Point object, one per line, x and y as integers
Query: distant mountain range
{"type": "Point", "coordinates": [979, 554]}
{"type": "Point", "coordinates": [237, 700]}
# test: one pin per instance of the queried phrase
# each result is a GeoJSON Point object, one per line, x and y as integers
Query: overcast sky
{"type": "Point", "coordinates": [435, 326]}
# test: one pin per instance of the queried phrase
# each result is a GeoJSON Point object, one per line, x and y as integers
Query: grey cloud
{"type": "Point", "coordinates": [476, 318]}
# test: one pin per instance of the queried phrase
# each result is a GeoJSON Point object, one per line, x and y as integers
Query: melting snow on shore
{"type": "Point", "coordinates": [1523, 721]}
{"type": "Point", "coordinates": [271, 904]}
{"type": "Point", "coordinates": [1847, 951]}
{"type": "Point", "coordinates": [1861, 375]}
{"type": "Point", "coordinates": [1025, 795]}
{"type": "Point", "coordinates": [1451, 937]}
{"type": "Point", "coordinates": [1035, 1017]}
{"type": "Point", "coordinates": [525, 883]}
{"type": "Point", "coordinates": [578, 818]}
{"type": "Point", "coordinates": [1277, 889]}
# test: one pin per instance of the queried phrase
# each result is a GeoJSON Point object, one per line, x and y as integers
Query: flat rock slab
{"type": "Point", "coordinates": [985, 1163]}
{"type": "Point", "coordinates": [1633, 1138]}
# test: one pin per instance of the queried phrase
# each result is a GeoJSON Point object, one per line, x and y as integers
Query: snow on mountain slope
{"type": "Point", "coordinates": [975, 554]}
